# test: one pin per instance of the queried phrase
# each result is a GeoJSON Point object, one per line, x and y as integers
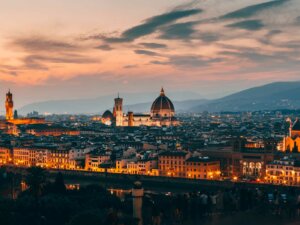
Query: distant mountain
{"type": "Point", "coordinates": [279, 95]}
{"type": "Point", "coordinates": [180, 106]}
{"type": "Point", "coordinates": [138, 102]}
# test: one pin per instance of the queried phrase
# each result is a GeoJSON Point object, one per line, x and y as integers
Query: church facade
{"type": "Point", "coordinates": [162, 113]}
{"type": "Point", "coordinates": [291, 143]}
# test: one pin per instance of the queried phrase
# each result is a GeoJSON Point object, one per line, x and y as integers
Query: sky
{"type": "Point", "coordinates": [68, 49]}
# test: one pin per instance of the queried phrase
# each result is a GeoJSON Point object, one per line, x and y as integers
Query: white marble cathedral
{"type": "Point", "coordinates": [162, 113]}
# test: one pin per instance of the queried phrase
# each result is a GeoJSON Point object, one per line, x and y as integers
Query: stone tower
{"type": "Point", "coordinates": [137, 201]}
{"type": "Point", "coordinates": [9, 106]}
{"type": "Point", "coordinates": [130, 119]}
{"type": "Point", "coordinates": [16, 114]}
{"type": "Point", "coordinates": [118, 111]}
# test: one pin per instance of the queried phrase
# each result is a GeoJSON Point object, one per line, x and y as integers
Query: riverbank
{"type": "Point", "coordinates": [156, 183]}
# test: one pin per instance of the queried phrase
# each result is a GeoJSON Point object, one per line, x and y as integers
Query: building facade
{"type": "Point", "coordinates": [291, 143]}
{"type": "Point", "coordinates": [93, 161]}
{"type": "Point", "coordinates": [285, 171]}
{"type": "Point", "coordinates": [5, 155]}
{"type": "Point", "coordinates": [172, 163]}
{"type": "Point", "coordinates": [47, 157]}
{"type": "Point", "coordinates": [202, 168]}
{"type": "Point", "coordinates": [162, 113]}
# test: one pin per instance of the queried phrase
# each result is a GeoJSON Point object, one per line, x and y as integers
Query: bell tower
{"type": "Point", "coordinates": [118, 111]}
{"type": "Point", "coordinates": [9, 105]}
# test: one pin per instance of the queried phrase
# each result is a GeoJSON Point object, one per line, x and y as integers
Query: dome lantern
{"type": "Point", "coordinates": [162, 92]}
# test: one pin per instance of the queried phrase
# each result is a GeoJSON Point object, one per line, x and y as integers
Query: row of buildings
{"type": "Point", "coordinates": [281, 170]}
{"type": "Point", "coordinates": [165, 163]}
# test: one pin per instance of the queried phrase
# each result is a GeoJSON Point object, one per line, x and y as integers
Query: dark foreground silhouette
{"type": "Point", "coordinates": [47, 203]}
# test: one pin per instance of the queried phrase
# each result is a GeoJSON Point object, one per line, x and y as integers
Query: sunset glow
{"type": "Point", "coordinates": [211, 47]}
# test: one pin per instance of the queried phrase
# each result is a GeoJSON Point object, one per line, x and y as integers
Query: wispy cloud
{"type": "Point", "coordinates": [252, 10]}
{"type": "Point", "coordinates": [41, 51]}
{"type": "Point", "coordinates": [248, 25]}
{"type": "Point", "coordinates": [131, 66]}
{"type": "Point", "coordinates": [186, 61]}
{"type": "Point", "coordinates": [182, 31]}
{"type": "Point", "coordinates": [40, 44]}
{"type": "Point", "coordinates": [145, 52]}
{"type": "Point", "coordinates": [104, 47]}
{"type": "Point", "coordinates": [153, 45]}
{"type": "Point", "coordinates": [151, 25]}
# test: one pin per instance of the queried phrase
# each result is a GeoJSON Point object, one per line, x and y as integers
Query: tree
{"type": "Point", "coordinates": [288, 149]}
{"type": "Point", "coordinates": [93, 217]}
{"type": "Point", "coordinates": [35, 179]}
{"type": "Point", "coordinates": [113, 157]}
{"type": "Point", "coordinates": [295, 149]}
{"type": "Point", "coordinates": [59, 186]}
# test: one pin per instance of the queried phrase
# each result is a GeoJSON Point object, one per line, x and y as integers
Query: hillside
{"type": "Point", "coordinates": [137, 102]}
{"type": "Point", "coordinates": [279, 95]}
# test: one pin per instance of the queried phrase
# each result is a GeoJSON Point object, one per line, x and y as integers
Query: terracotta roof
{"type": "Point", "coordinates": [162, 102]}
{"type": "Point", "coordinates": [107, 115]}
{"type": "Point", "coordinates": [173, 153]}
{"type": "Point", "coordinates": [200, 159]}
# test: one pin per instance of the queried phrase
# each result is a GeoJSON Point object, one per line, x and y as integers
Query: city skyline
{"type": "Point", "coordinates": [70, 50]}
{"type": "Point", "coordinates": [150, 112]}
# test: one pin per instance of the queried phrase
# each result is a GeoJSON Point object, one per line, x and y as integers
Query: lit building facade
{"type": "Point", "coordinates": [5, 155]}
{"type": "Point", "coordinates": [93, 161]}
{"type": "Point", "coordinates": [25, 156]}
{"type": "Point", "coordinates": [285, 171]}
{"type": "Point", "coordinates": [291, 143]}
{"type": "Point", "coordinates": [21, 156]}
{"type": "Point", "coordinates": [172, 163]}
{"type": "Point", "coordinates": [143, 167]}
{"type": "Point", "coordinates": [202, 168]}
{"type": "Point", "coordinates": [47, 157]}
{"type": "Point", "coordinates": [59, 158]}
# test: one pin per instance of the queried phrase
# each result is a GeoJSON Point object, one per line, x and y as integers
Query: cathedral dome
{"type": "Point", "coordinates": [162, 106]}
{"type": "Point", "coordinates": [107, 115]}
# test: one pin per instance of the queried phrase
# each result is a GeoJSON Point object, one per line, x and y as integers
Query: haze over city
{"type": "Point", "coordinates": [53, 50]}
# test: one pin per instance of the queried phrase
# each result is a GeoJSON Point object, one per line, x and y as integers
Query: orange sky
{"type": "Point", "coordinates": [75, 49]}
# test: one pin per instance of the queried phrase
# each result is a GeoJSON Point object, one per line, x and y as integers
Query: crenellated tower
{"type": "Point", "coordinates": [9, 106]}
{"type": "Point", "coordinates": [118, 111]}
